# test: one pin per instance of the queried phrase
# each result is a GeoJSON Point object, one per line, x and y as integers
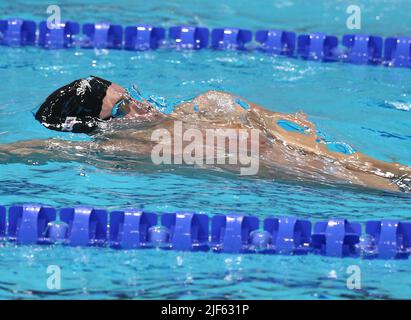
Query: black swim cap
{"type": "Point", "coordinates": [75, 107]}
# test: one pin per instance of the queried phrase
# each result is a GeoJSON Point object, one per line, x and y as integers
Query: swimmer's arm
{"type": "Point", "coordinates": [33, 152]}
{"type": "Point", "coordinates": [97, 152]}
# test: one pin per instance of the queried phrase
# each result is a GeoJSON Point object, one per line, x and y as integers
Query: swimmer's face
{"type": "Point", "coordinates": [119, 104]}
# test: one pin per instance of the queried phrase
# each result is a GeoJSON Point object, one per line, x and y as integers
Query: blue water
{"type": "Point", "coordinates": [369, 108]}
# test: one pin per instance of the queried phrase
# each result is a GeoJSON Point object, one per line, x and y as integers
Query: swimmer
{"type": "Point", "coordinates": [81, 105]}
{"type": "Point", "coordinates": [121, 122]}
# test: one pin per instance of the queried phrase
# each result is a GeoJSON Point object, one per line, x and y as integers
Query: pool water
{"type": "Point", "coordinates": [368, 108]}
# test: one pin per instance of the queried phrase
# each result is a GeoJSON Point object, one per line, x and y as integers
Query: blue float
{"type": "Point", "coordinates": [261, 241]}
{"type": "Point", "coordinates": [230, 38]}
{"type": "Point", "coordinates": [102, 36]}
{"type": "Point", "coordinates": [290, 235]}
{"type": "Point", "coordinates": [363, 49]}
{"type": "Point", "coordinates": [159, 237]}
{"type": "Point", "coordinates": [336, 237]}
{"type": "Point", "coordinates": [3, 224]}
{"type": "Point", "coordinates": [391, 238]}
{"type": "Point", "coordinates": [60, 37]}
{"type": "Point", "coordinates": [358, 49]}
{"type": "Point", "coordinates": [143, 37]}
{"type": "Point", "coordinates": [188, 231]}
{"type": "Point", "coordinates": [189, 37]}
{"type": "Point", "coordinates": [276, 41]}
{"type": "Point", "coordinates": [318, 46]}
{"type": "Point", "coordinates": [17, 32]}
{"type": "Point", "coordinates": [57, 231]}
{"type": "Point", "coordinates": [86, 226]}
{"type": "Point", "coordinates": [231, 233]}
{"type": "Point", "coordinates": [397, 52]}
{"type": "Point", "coordinates": [129, 228]}
{"type": "Point", "coordinates": [28, 223]}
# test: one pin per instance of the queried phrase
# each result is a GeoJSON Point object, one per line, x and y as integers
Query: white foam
{"type": "Point", "coordinates": [401, 106]}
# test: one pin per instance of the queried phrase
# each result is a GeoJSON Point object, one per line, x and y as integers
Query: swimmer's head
{"type": "Point", "coordinates": [82, 104]}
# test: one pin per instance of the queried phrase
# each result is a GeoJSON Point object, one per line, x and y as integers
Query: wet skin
{"type": "Point", "coordinates": [126, 144]}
